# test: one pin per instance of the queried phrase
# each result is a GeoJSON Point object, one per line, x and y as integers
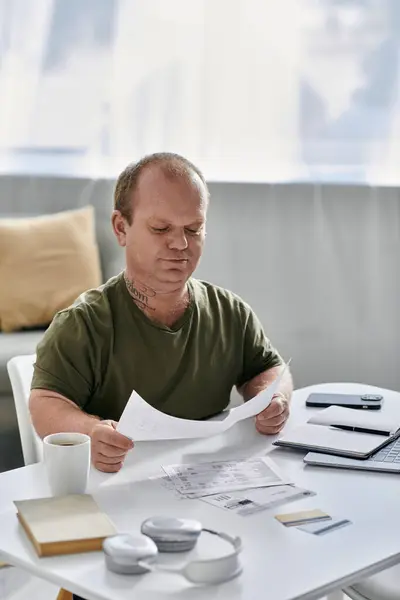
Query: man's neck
{"type": "Point", "coordinates": [166, 306]}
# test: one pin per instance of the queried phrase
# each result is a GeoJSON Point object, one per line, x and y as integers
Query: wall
{"type": "Point", "coordinates": [321, 266]}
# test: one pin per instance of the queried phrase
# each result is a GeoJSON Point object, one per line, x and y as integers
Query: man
{"type": "Point", "coordinates": [182, 344]}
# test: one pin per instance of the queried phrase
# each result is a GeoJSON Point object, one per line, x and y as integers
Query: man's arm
{"type": "Point", "coordinates": [63, 382]}
{"type": "Point", "coordinates": [271, 420]}
{"type": "Point", "coordinates": [261, 365]}
{"type": "Point", "coordinates": [51, 412]}
{"type": "Point", "coordinates": [260, 382]}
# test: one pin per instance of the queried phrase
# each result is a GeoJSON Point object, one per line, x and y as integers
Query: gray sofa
{"type": "Point", "coordinates": [22, 196]}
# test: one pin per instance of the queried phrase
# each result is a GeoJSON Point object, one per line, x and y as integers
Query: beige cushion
{"type": "Point", "coordinates": [45, 263]}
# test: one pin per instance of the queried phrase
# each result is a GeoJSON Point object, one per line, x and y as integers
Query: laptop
{"type": "Point", "coordinates": [386, 460]}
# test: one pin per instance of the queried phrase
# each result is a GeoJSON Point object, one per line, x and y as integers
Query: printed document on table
{"type": "Point", "coordinates": [204, 479]}
{"type": "Point", "coordinates": [142, 422]}
{"type": "Point", "coordinates": [249, 502]}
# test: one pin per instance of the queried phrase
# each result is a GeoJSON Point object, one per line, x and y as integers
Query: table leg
{"type": "Point", "coordinates": [64, 595]}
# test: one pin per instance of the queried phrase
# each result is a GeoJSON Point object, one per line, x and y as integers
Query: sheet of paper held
{"type": "Point", "coordinates": [142, 422]}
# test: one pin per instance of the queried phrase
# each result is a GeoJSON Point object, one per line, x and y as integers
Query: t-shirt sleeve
{"type": "Point", "coordinates": [258, 353]}
{"type": "Point", "coordinates": [65, 360]}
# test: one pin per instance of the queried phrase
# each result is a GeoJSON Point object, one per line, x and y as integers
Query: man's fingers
{"type": "Point", "coordinates": [109, 447]}
{"type": "Point", "coordinates": [109, 460]}
{"type": "Point", "coordinates": [116, 439]}
{"type": "Point", "coordinates": [106, 433]}
{"type": "Point", "coordinates": [271, 425]}
{"type": "Point", "coordinates": [276, 408]}
{"type": "Point", "coordinates": [106, 468]}
{"type": "Point", "coordinates": [108, 450]}
{"type": "Point", "coordinates": [274, 422]}
{"type": "Point", "coordinates": [271, 420]}
{"type": "Point", "coordinates": [267, 428]}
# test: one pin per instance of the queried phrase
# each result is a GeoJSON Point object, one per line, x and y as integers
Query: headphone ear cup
{"type": "Point", "coordinates": [171, 534]}
{"type": "Point", "coordinates": [174, 546]}
{"type": "Point", "coordinates": [123, 553]}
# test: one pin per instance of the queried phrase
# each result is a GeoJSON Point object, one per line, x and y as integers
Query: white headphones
{"type": "Point", "coordinates": [135, 555]}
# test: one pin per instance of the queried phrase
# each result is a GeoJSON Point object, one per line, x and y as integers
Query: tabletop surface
{"type": "Point", "coordinates": [287, 563]}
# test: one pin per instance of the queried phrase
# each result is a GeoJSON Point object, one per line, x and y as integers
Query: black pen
{"type": "Point", "coordinates": [362, 430]}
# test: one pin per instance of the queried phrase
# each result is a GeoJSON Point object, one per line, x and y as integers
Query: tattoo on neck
{"type": "Point", "coordinates": [141, 294]}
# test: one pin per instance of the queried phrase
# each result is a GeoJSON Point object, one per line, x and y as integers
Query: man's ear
{"type": "Point", "coordinates": [119, 227]}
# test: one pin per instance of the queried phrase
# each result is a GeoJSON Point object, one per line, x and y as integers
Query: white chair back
{"type": "Point", "coordinates": [20, 372]}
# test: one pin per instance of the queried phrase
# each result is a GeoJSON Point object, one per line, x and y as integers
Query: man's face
{"type": "Point", "coordinates": [165, 240]}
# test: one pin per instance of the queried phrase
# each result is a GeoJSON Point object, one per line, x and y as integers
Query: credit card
{"type": "Point", "coordinates": [302, 517]}
{"type": "Point", "coordinates": [325, 527]}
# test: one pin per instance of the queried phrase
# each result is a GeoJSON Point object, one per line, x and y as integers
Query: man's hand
{"type": "Point", "coordinates": [272, 419]}
{"type": "Point", "coordinates": [109, 447]}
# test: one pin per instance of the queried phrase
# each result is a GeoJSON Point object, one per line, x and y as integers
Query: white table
{"type": "Point", "coordinates": [279, 563]}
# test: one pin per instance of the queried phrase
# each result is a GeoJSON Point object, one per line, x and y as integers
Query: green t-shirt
{"type": "Point", "coordinates": [101, 348]}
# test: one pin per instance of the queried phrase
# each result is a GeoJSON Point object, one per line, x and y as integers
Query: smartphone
{"type": "Point", "coordinates": [363, 401]}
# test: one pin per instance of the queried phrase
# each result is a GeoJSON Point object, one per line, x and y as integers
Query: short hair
{"type": "Point", "coordinates": [172, 165]}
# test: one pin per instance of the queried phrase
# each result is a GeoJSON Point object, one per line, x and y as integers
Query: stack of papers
{"type": "Point", "coordinates": [205, 479]}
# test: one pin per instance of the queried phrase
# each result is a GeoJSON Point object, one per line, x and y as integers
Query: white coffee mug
{"type": "Point", "coordinates": [67, 460]}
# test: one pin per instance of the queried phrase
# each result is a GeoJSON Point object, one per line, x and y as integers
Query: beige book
{"type": "Point", "coordinates": [64, 524]}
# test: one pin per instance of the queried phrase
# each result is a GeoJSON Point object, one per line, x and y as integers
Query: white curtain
{"type": "Point", "coordinates": [251, 90]}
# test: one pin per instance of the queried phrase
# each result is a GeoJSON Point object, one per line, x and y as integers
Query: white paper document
{"type": "Point", "coordinates": [204, 479]}
{"type": "Point", "coordinates": [384, 420]}
{"type": "Point", "coordinates": [142, 422]}
{"type": "Point", "coordinates": [248, 502]}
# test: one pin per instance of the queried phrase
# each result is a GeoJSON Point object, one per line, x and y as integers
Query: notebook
{"type": "Point", "coordinates": [64, 524]}
{"type": "Point", "coordinates": [319, 434]}
{"type": "Point", "coordinates": [385, 420]}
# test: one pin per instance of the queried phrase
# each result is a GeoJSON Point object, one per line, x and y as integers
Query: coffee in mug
{"type": "Point", "coordinates": [63, 444]}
